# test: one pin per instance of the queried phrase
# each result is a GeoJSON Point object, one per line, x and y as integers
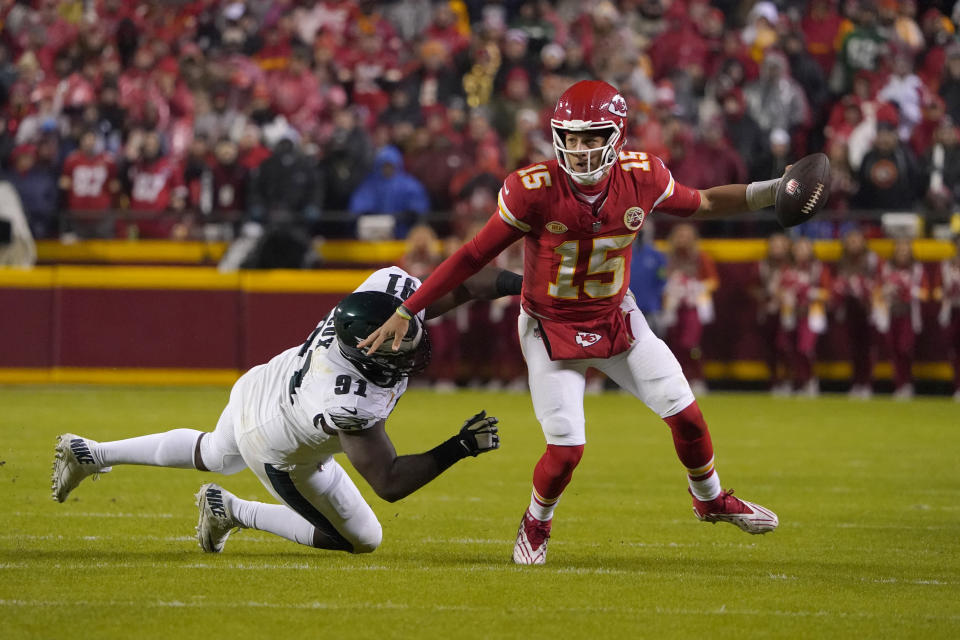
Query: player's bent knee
{"type": "Point", "coordinates": [668, 395]}
{"type": "Point", "coordinates": [562, 431]}
{"type": "Point", "coordinates": [370, 539]}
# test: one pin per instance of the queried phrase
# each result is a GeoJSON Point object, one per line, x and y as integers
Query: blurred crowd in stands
{"type": "Point", "coordinates": [195, 117]}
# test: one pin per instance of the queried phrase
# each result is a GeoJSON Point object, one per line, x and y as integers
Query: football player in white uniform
{"type": "Point", "coordinates": [287, 418]}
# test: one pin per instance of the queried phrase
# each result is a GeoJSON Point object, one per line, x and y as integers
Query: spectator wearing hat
{"type": "Point", "coordinates": [37, 187]}
{"type": "Point", "coordinates": [889, 176]}
{"type": "Point", "coordinates": [761, 31]}
{"type": "Point", "coordinates": [775, 100]}
{"type": "Point", "coordinates": [516, 55]}
{"type": "Point", "coordinates": [388, 189]}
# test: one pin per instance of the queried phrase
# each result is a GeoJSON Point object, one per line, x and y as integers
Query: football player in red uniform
{"type": "Point", "coordinates": [579, 215]}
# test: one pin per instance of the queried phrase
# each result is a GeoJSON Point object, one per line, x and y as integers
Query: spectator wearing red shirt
{"type": "Point", "coordinates": [444, 28]}
{"type": "Point", "coordinates": [679, 46]}
{"type": "Point", "coordinates": [155, 185]}
{"type": "Point", "coordinates": [250, 147]}
{"type": "Point", "coordinates": [89, 177]}
{"type": "Point", "coordinates": [821, 26]}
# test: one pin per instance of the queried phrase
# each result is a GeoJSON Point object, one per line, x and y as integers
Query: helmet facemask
{"type": "Point", "coordinates": [599, 160]}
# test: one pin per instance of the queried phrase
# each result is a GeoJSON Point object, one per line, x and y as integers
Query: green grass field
{"type": "Point", "coordinates": [868, 546]}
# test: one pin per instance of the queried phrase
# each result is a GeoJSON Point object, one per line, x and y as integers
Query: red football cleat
{"type": "Point", "coordinates": [750, 517]}
{"type": "Point", "coordinates": [531, 546]}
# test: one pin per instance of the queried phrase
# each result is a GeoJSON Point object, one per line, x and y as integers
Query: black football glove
{"type": "Point", "coordinates": [479, 434]}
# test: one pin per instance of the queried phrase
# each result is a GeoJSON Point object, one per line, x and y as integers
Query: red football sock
{"type": "Point", "coordinates": [691, 439]}
{"type": "Point", "coordinates": [551, 476]}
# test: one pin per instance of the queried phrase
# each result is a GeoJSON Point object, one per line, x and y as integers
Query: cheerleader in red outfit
{"type": "Point", "coordinates": [769, 272]}
{"type": "Point", "coordinates": [804, 288]}
{"type": "Point", "coordinates": [688, 302]}
{"type": "Point", "coordinates": [948, 293]}
{"type": "Point", "coordinates": [856, 279]}
{"type": "Point", "coordinates": [903, 285]}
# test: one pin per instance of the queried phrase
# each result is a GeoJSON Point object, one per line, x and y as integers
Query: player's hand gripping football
{"type": "Point", "coordinates": [479, 434]}
{"type": "Point", "coordinates": [394, 326]}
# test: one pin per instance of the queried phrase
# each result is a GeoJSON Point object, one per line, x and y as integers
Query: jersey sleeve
{"type": "Point", "coordinates": [675, 199]}
{"type": "Point", "coordinates": [466, 261]}
{"type": "Point", "coordinates": [515, 200]}
{"type": "Point", "coordinates": [349, 418]}
{"type": "Point", "coordinates": [392, 280]}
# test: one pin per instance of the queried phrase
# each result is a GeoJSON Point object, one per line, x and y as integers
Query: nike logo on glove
{"type": "Point", "coordinates": [352, 412]}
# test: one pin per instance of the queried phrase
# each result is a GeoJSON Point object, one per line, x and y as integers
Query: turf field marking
{"type": "Point", "coordinates": [88, 514]}
{"type": "Point", "coordinates": [388, 605]}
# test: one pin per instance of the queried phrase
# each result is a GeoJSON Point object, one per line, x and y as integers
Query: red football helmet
{"type": "Point", "coordinates": [590, 105]}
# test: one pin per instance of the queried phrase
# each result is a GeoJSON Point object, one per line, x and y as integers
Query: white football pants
{"type": "Point", "coordinates": [648, 370]}
{"type": "Point", "coordinates": [319, 491]}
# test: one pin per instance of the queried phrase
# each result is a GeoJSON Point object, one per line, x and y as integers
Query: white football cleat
{"type": "Point", "coordinates": [750, 517]}
{"type": "Point", "coordinates": [72, 462]}
{"type": "Point", "coordinates": [216, 520]}
{"type": "Point", "coordinates": [531, 545]}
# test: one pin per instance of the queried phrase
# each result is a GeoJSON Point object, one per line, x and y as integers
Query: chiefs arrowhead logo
{"type": "Point", "coordinates": [618, 106]}
{"type": "Point", "coordinates": [585, 339]}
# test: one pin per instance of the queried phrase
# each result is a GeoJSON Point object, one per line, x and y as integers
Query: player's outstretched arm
{"type": "Point", "coordinates": [487, 284]}
{"type": "Point", "coordinates": [395, 477]}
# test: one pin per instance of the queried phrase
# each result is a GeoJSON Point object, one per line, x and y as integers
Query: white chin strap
{"type": "Point", "coordinates": [590, 178]}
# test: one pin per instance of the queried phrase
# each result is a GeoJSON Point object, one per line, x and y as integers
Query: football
{"type": "Point", "coordinates": [804, 190]}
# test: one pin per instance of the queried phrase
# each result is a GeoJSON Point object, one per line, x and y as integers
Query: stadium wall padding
{"type": "Point", "coordinates": [190, 325]}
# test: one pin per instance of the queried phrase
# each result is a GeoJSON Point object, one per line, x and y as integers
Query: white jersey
{"type": "Point", "coordinates": [315, 385]}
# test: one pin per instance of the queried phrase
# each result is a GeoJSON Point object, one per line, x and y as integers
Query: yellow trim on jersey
{"type": "Point", "coordinates": [666, 192]}
{"type": "Point", "coordinates": [508, 217]}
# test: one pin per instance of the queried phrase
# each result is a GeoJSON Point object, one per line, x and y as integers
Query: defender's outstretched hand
{"type": "Point", "coordinates": [395, 326]}
{"type": "Point", "coordinates": [479, 434]}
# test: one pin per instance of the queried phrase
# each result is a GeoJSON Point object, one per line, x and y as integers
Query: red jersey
{"type": "Point", "coordinates": [153, 184]}
{"type": "Point", "coordinates": [577, 254]}
{"type": "Point", "coordinates": [89, 180]}
{"type": "Point", "coordinates": [577, 246]}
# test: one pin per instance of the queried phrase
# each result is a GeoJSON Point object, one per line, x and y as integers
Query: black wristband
{"type": "Point", "coordinates": [509, 283]}
{"type": "Point", "coordinates": [448, 452]}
